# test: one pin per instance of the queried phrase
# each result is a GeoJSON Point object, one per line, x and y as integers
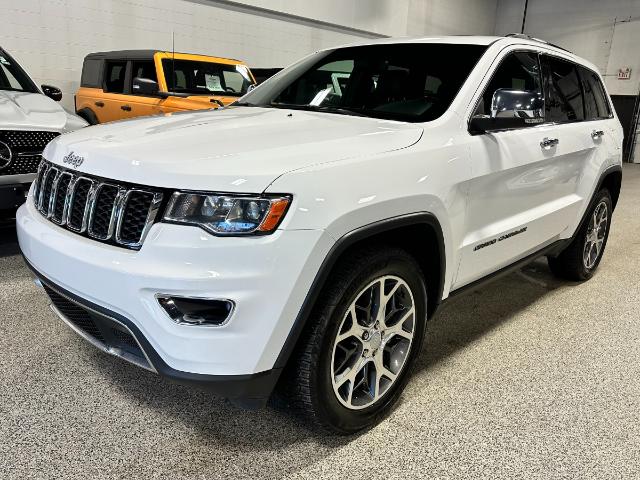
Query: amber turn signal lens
{"type": "Point", "coordinates": [276, 212]}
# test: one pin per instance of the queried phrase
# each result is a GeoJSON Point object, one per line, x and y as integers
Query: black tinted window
{"type": "Point", "coordinates": [595, 100]}
{"type": "Point", "coordinates": [409, 82]}
{"type": "Point", "coordinates": [115, 77]}
{"type": "Point", "coordinates": [91, 70]}
{"type": "Point", "coordinates": [517, 71]}
{"type": "Point", "coordinates": [12, 77]}
{"type": "Point", "coordinates": [564, 102]}
{"type": "Point", "coordinates": [144, 69]}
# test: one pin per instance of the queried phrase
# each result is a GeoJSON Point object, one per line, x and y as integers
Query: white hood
{"type": "Point", "coordinates": [238, 149]}
{"type": "Point", "coordinates": [35, 111]}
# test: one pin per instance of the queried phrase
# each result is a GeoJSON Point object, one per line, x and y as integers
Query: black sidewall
{"type": "Point", "coordinates": [337, 415]}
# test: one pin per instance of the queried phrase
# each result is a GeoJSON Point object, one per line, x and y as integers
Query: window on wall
{"type": "Point", "coordinates": [115, 77]}
{"type": "Point", "coordinates": [564, 102]}
{"type": "Point", "coordinates": [517, 71]}
{"type": "Point", "coordinates": [595, 101]}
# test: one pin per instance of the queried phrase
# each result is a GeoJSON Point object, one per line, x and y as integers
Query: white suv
{"type": "Point", "coordinates": [29, 119]}
{"type": "Point", "coordinates": [304, 236]}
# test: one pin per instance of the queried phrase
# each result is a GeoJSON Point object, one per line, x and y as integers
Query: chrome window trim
{"type": "Point", "coordinates": [539, 52]}
{"type": "Point", "coordinates": [490, 74]}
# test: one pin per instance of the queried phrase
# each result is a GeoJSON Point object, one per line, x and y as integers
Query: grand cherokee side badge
{"type": "Point", "coordinates": [500, 239]}
{"type": "Point", "coordinates": [72, 159]}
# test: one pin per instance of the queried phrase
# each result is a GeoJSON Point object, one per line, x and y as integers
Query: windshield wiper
{"type": "Point", "coordinates": [342, 110]}
{"type": "Point", "coordinates": [320, 108]}
{"type": "Point", "coordinates": [244, 104]}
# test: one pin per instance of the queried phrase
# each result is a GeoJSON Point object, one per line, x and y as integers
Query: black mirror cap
{"type": "Point", "coordinates": [54, 93]}
{"type": "Point", "coordinates": [483, 124]}
{"type": "Point", "coordinates": [145, 86]}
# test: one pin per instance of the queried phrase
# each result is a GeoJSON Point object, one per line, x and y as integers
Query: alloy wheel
{"type": "Point", "coordinates": [596, 234]}
{"type": "Point", "coordinates": [373, 342]}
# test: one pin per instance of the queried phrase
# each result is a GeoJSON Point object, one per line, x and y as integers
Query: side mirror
{"type": "Point", "coordinates": [54, 93]}
{"type": "Point", "coordinates": [145, 86]}
{"type": "Point", "coordinates": [510, 109]}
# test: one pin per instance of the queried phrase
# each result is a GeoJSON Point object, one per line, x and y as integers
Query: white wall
{"type": "Point", "coordinates": [51, 37]}
{"type": "Point", "coordinates": [598, 30]}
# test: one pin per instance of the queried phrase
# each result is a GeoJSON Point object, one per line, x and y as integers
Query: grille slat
{"type": "Point", "coordinates": [105, 211]}
{"type": "Point", "coordinates": [105, 203]}
{"type": "Point", "coordinates": [78, 203]}
{"type": "Point", "coordinates": [26, 147]}
{"type": "Point", "coordinates": [57, 211]}
{"type": "Point", "coordinates": [47, 189]}
{"type": "Point", "coordinates": [134, 216]}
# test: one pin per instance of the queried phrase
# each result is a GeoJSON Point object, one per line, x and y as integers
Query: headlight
{"type": "Point", "coordinates": [227, 214]}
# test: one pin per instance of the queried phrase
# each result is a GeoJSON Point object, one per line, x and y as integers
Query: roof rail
{"type": "Point", "coordinates": [534, 39]}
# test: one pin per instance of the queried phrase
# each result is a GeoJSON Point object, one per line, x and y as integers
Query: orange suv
{"type": "Point", "coordinates": [133, 83]}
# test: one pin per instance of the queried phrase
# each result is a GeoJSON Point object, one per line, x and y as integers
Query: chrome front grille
{"type": "Point", "coordinates": [26, 147]}
{"type": "Point", "coordinates": [104, 210]}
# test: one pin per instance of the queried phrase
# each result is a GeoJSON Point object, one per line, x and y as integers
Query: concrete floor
{"type": "Point", "coordinates": [528, 377]}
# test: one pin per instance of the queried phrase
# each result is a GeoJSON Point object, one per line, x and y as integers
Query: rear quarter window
{"type": "Point", "coordinates": [91, 73]}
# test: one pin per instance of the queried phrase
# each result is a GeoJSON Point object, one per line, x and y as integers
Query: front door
{"type": "Point", "coordinates": [522, 194]}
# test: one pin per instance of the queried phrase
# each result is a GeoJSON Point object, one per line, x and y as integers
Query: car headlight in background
{"type": "Point", "coordinates": [223, 214]}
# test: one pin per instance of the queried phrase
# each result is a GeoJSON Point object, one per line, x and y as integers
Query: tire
{"type": "Point", "coordinates": [573, 263]}
{"type": "Point", "coordinates": [307, 386]}
{"type": "Point", "coordinates": [88, 115]}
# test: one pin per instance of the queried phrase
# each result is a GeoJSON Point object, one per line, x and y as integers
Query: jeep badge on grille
{"type": "Point", "coordinates": [72, 159]}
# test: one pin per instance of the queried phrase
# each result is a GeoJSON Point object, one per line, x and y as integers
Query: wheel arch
{"type": "Point", "coordinates": [88, 115]}
{"type": "Point", "coordinates": [420, 234]}
{"type": "Point", "coordinates": [611, 179]}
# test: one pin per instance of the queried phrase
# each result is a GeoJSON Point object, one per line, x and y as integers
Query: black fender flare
{"type": "Point", "coordinates": [88, 115]}
{"type": "Point", "coordinates": [341, 245]}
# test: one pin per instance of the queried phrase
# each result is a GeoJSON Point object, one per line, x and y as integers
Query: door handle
{"type": "Point", "coordinates": [549, 142]}
{"type": "Point", "coordinates": [596, 134]}
{"type": "Point", "coordinates": [99, 104]}
{"type": "Point", "coordinates": [126, 108]}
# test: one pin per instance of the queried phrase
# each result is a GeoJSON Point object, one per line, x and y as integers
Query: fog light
{"type": "Point", "coordinates": [196, 311]}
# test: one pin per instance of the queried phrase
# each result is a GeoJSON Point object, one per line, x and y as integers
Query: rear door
{"type": "Point", "coordinates": [117, 105]}
{"type": "Point", "coordinates": [522, 194]}
{"type": "Point", "coordinates": [577, 105]}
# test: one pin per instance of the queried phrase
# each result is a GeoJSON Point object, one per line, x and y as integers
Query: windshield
{"type": "Point", "coordinates": [407, 82]}
{"type": "Point", "coordinates": [206, 78]}
{"type": "Point", "coordinates": [12, 77]}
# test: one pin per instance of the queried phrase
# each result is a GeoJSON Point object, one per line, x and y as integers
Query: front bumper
{"type": "Point", "coordinates": [118, 336]}
{"type": "Point", "coordinates": [267, 278]}
{"type": "Point", "coordinates": [14, 189]}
